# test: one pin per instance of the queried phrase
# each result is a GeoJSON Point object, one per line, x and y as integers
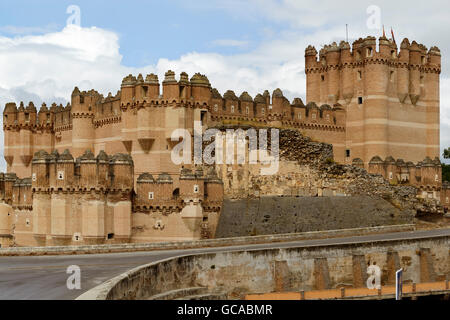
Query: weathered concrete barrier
{"type": "Point", "coordinates": [235, 274]}
{"type": "Point", "coordinates": [134, 247]}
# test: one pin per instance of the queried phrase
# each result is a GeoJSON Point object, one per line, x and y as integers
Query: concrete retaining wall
{"type": "Point", "coordinates": [292, 269]}
{"type": "Point", "coordinates": [133, 247]}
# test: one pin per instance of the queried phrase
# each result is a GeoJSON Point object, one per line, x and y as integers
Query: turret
{"type": "Point", "coordinates": [192, 186]}
{"type": "Point", "coordinates": [171, 89]}
{"type": "Point", "coordinates": [403, 71]}
{"type": "Point", "coordinates": [10, 114]}
{"type": "Point", "coordinates": [147, 192]}
{"type": "Point", "coordinates": [217, 103]}
{"type": "Point", "coordinates": [347, 72]}
{"type": "Point", "coordinates": [312, 112]}
{"type": "Point", "coordinates": [333, 74]}
{"type": "Point", "coordinates": [416, 59]}
{"type": "Point", "coordinates": [376, 166]}
{"type": "Point", "coordinates": [65, 169]}
{"type": "Point", "coordinates": [434, 57]}
{"type": "Point", "coordinates": [246, 102]}
{"type": "Point", "coordinates": [45, 117]}
{"type": "Point", "coordinates": [82, 114]}
{"type": "Point", "coordinates": [103, 177]}
{"type": "Point", "coordinates": [213, 188]}
{"type": "Point", "coordinates": [280, 107]}
{"type": "Point", "coordinates": [40, 170]}
{"type": "Point", "coordinates": [231, 103]}
{"type": "Point", "coordinates": [312, 75]}
{"type": "Point", "coordinates": [88, 170]}
{"type": "Point", "coordinates": [185, 86]}
{"type": "Point", "coordinates": [260, 106]}
{"type": "Point", "coordinates": [201, 89]}
{"type": "Point", "coordinates": [128, 91]}
{"type": "Point", "coordinates": [391, 170]}
{"type": "Point", "coordinates": [122, 172]}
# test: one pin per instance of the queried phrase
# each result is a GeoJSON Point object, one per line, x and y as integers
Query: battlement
{"type": "Point", "coordinates": [61, 172]}
{"type": "Point", "coordinates": [195, 187]}
{"type": "Point", "coordinates": [368, 49]}
{"type": "Point", "coordinates": [426, 174]}
{"type": "Point", "coordinates": [265, 108]}
{"type": "Point", "coordinates": [136, 90]}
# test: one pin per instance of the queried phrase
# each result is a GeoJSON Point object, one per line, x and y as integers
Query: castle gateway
{"type": "Point", "coordinates": [99, 170]}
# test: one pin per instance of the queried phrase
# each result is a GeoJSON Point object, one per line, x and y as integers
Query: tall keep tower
{"type": "Point", "coordinates": [391, 97]}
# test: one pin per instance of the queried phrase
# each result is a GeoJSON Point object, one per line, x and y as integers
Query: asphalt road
{"type": "Point", "coordinates": [45, 277]}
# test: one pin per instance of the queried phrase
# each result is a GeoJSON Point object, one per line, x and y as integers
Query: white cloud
{"type": "Point", "coordinates": [18, 30]}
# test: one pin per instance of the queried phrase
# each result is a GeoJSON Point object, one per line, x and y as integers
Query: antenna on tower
{"type": "Point", "coordinates": [346, 32]}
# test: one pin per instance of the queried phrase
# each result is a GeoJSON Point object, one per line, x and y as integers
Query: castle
{"type": "Point", "coordinates": [100, 171]}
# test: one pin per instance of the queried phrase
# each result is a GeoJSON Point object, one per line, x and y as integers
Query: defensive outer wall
{"type": "Point", "coordinates": [234, 274]}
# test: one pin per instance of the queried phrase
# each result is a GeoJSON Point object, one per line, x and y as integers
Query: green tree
{"type": "Point", "coordinates": [446, 172]}
{"type": "Point", "coordinates": [446, 167]}
{"type": "Point", "coordinates": [447, 153]}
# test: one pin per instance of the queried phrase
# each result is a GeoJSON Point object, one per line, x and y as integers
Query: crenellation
{"type": "Point", "coordinates": [369, 103]}
{"type": "Point", "coordinates": [426, 174]}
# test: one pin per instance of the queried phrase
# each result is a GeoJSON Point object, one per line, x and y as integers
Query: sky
{"type": "Point", "coordinates": [47, 48]}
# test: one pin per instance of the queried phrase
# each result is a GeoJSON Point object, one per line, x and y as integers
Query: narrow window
{"type": "Point", "coordinates": [34, 177]}
{"type": "Point", "coordinates": [110, 236]}
{"type": "Point", "coordinates": [436, 178]}
{"type": "Point", "coordinates": [196, 188]}
{"type": "Point", "coordinates": [360, 100]}
{"type": "Point", "coordinates": [203, 117]}
{"type": "Point", "coordinates": [299, 116]}
{"type": "Point", "coordinates": [369, 52]}
{"type": "Point", "coordinates": [151, 195]}
{"type": "Point", "coordinates": [232, 109]}
{"type": "Point", "coordinates": [216, 107]}
{"type": "Point", "coordinates": [322, 77]}
{"type": "Point", "coordinates": [60, 175]}
{"type": "Point", "coordinates": [347, 153]}
{"type": "Point", "coordinates": [359, 75]}
{"type": "Point", "coordinates": [247, 110]}
{"type": "Point", "coordinates": [393, 54]}
{"type": "Point", "coordinates": [423, 60]}
{"type": "Point", "coordinates": [391, 176]}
